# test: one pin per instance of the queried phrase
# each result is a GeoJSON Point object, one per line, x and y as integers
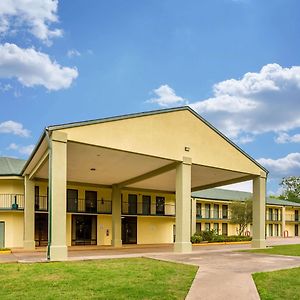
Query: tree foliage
{"type": "Point", "coordinates": [241, 214]}
{"type": "Point", "coordinates": [291, 188]}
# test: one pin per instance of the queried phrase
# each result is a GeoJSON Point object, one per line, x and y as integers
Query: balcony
{"type": "Point", "coordinates": [78, 205]}
{"type": "Point", "coordinates": [212, 215]}
{"type": "Point", "coordinates": [139, 208]}
{"type": "Point", "coordinates": [292, 218]}
{"type": "Point", "coordinates": [11, 201]}
{"type": "Point", "coordinates": [273, 217]}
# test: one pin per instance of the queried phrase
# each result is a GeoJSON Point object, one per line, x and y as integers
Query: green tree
{"type": "Point", "coordinates": [241, 214]}
{"type": "Point", "coordinates": [291, 188]}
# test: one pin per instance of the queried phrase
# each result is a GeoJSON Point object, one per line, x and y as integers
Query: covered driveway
{"type": "Point", "coordinates": [172, 150]}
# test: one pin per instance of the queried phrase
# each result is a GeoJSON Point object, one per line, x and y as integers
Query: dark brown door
{"type": "Point", "coordinates": [129, 230]}
{"type": "Point", "coordinates": [91, 201]}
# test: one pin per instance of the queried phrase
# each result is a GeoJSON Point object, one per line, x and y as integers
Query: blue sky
{"type": "Point", "coordinates": [236, 62]}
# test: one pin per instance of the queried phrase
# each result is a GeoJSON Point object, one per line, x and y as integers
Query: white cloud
{"type": "Point", "coordinates": [284, 166]}
{"type": "Point", "coordinates": [36, 16]}
{"type": "Point", "coordinates": [24, 150]}
{"type": "Point", "coordinates": [73, 52]}
{"type": "Point", "coordinates": [32, 68]}
{"type": "Point", "coordinates": [284, 138]}
{"type": "Point", "coordinates": [261, 102]}
{"type": "Point", "coordinates": [14, 128]}
{"type": "Point", "coordinates": [5, 87]}
{"type": "Point", "coordinates": [166, 96]}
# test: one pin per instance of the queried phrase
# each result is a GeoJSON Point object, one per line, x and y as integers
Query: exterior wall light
{"type": "Point", "coordinates": [92, 169]}
{"type": "Point", "coordinates": [187, 148]}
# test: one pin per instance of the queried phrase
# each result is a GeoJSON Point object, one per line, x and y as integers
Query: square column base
{"type": "Point", "coordinates": [184, 247]}
{"type": "Point", "coordinates": [29, 245]}
{"type": "Point", "coordinates": [116, 243]}
{"type": "Point", "coordinates": [258, 243]}
{"type": "Point", "coordinates": [58, 253]}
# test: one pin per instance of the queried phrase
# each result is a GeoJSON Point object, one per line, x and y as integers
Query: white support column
{"type": "Point", "coordinates": [29, 243]}
{"type": "Point", "coordinates": [283, 221]}
{"type": "Point", "coordinates": [193, 217]}
{"type": "Point", "coordinates": [116, 217]}
{"type": "Point", "coordinates": [259, 211]}
{"type": "Point", "coordinates": [183, 206]}
{"type": "Point", "coordinates": [57, 205]}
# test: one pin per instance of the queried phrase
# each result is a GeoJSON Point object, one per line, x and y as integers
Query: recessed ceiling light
{"type": "Point", "coordinates": [92, 169]}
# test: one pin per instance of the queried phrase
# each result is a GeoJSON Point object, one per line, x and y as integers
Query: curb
{"type": "Point", "coordinates": [222, 243]}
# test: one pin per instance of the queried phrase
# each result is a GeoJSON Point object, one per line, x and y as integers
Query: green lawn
{"type": "Point", "coordinates": [135, 278]}
{"type": "Point", "coordinates": [283, 284]}
{"type": "Point", "coordinates": [292, 250]}
{"type": "Point", "coordinates": [278, 285]}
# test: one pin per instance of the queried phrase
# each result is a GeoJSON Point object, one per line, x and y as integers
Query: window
{"type": "Point", "coordinates": [198, 210]}
{"type": "Point", "coordinates": [146, 205]}
{"type": "Point", "coordinates": [207, 226]}
{"type": "Point", "coordinates": [160, 205]}
{"type": "Point", "coordinates": [270, 214]}
{"type": "Point", "coordinates": [276, 231]}
{"type": "Point", "coordinates": [275, 215]}
{"type": "Point", "coordinates": [198, 227]}
{"type": "Point", "coordinates": [216, 227]}
{"type": "Point", "coordinates": [224, 211]}
{"type": "Point", "coordinates": [72, 200]}
{"type": "Point", "coordinates": [224, 228]}
{"type": "Point", "coordinates": [270, 229]}
{"type": "Point", "coordinates": [216, 211]}
{"type": "Point", "coordinates": [207, 211]}
{"type": "Point", "coordinates": [296, 215]}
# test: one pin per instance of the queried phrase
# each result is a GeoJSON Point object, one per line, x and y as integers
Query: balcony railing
{"type": "Point", "coordinates": [12, 201]}
{"type": "Point", "coordinates": [292, 218]}
{"type": "Point", "coordinates": [212, 214]}
{"type": "Point", "coordinates": [140, 208]}
{"type": "Point", "coordinates": [89, 206]}
{"type": "Point", "coordinates": [273, 217]}
{"type": "Point", "coordinates": [41, 203]}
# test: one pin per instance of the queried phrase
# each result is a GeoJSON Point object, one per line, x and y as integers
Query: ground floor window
{"type": "Point", "coordinates": [207, 226]}
{"type": "Point", "coordinates": [198, 227]}
{"type": "Point", "coordinates": [84, 230]}
{"type": "Point", "coordinates": [224, 229]}
{"type": "Point", "coordinates": [276, 230]}
{"type": "Point", "coordinates": [270, 229]}
{"type": "Point", "coordinates": [216, 227]}
{"type": "Point", "coordinates": [296, 230]}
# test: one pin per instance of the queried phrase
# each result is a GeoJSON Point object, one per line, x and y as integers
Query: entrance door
{"type": "Point", "coordinates": [132, 204]}
{"type": "Point", "coordinates": [146, 205]}
{"type": "Point", "coordinates": [129, 230]}
{"type": "Point", "coordinates": [41, 229]}
{"type": "Point", "coordinates": [72, 200]}
{"type": "Point", "coordinates": [2, 235]}
{"type": "Point", "coordinates": [91, 201]}
{"type": "Point", "coordinates": [84, 230]}
{"type": "Point", "coordinates": [296, 230]}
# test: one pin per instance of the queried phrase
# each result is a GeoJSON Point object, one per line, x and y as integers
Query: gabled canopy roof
{"type": "Point", "coordinates": [124, 147]}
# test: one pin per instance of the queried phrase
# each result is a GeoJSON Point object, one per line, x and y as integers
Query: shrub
{"type": "Point", "coordinates": [196, 238]}
{"type": "Point", "coordinates": [211, 237]}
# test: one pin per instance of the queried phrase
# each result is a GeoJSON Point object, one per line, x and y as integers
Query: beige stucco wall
{"type": "Point", "coordinates": [15, 186]}
{"type": "Point", "coordinates": [154, 230]}
{"type": "Point", "coordinates": [13, 228]}
{"type": "Point", "coordinates": [104, 224]}
{"type": "Point", "coordinates": [206, 146]}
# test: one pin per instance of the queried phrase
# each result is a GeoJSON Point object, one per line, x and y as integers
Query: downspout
{"type": "Point", "coordinates": [49, 195]}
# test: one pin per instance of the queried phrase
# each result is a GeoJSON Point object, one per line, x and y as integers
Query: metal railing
{"type": "Point", "coordinates": [140, 208]}
{"type": "Point", "coordinates": [212, 214]}
{"type": "Point", "coordinates": [41, 203]}
{"type": "Point", "coordinates": [12, 201]}
{"type": "Point", "coordinates": [273, 216]}
{"type": "Point", "coordinates": [89, 206]}
{"type": "Point", "coordinates": [292, 218]}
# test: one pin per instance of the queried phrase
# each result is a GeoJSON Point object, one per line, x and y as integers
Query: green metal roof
{"type": "Point", "coordinates": [229, 195]}
{"type": "Point", "coordinates": [11, 166]}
